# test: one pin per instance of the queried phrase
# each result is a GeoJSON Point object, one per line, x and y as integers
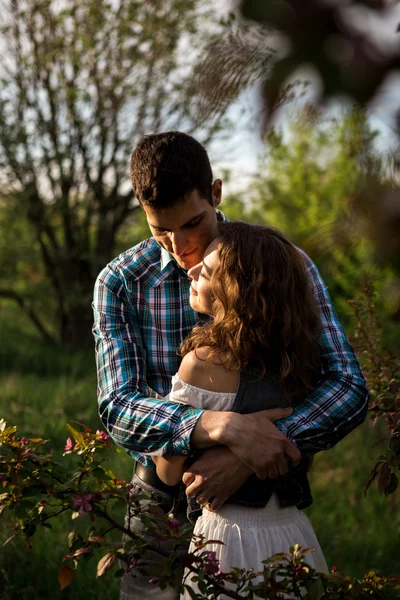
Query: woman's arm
{"type": "Point", "coordinates": [211, 376]}
{"type": "Point", "coordinates": [170, 468]}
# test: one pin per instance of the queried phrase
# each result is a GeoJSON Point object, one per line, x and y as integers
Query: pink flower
{"type": "Point", "coordinates": [69, 445]}
{"type": "Point", "coordinates": [104, 436]}
{"type": "Point", "coordinates": [82, 504]}
{"type": "Point", "coordinates": [298, 570]}
{"type": "Point", "coordinates": [334, 569]}
{"type": "Point", "coordinates": [174, 523]}
{"type": "Point", "coordinates": [153, 580]}
{"type": "Point", "coordinates": [211, 566]}
{"type": "Point", "coordinates": [24, 441]}
{"type": "Point", "coordinates": [43, 503]}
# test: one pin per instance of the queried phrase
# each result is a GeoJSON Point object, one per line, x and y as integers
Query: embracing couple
{"type": "Point", "coordinates": [221, 364]}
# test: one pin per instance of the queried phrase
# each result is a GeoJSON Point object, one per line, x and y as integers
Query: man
{"type": "Point", "coordinates": [142, 313]}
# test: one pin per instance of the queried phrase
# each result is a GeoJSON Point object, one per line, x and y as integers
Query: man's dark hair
{"type": "Point", "coordinates": [166, 167]}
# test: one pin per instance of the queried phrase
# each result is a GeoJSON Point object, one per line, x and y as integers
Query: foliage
{"type": "Point", "coordinates": [80, 84]}
{"type": "Point", "coordinates": [323, 35]}
{"type": "Point", "coordinates": [307, 177]}
{"type": "Point", "coordinates": [279, 37]}
{"type": "Point", "coordinates": [382, 369]}
{"type": "Point", "coordinates": [37, 489]}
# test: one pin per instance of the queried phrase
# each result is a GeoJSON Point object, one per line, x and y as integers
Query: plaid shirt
{"type": "Point", "coordinates": [141, 315]}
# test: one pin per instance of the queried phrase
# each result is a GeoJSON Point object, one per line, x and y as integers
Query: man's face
{"type": "Point", "coordinates": [186, 229]}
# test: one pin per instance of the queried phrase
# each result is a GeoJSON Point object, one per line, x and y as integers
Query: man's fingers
{"type": "Point", "coordinates": [282, 465]}
{"type": "Point", "coordinates": [261, 473]}
{"type": "Point", "coordinates": [274, 414]}
{"type": "Point", "coordinates": [202, 500]}
{"type": "Point", "coordinates": [215, 504]}
{"type": "Point", "coordinates": [273, 472]}
{"type": "Point", "coordinates": [192, 491]}
{"type": "Point", "coordinates": [293, 454]}
{"type": "Point", "coordinates": [188, 478]}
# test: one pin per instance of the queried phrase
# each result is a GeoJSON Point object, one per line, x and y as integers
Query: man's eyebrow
{"type": "Point", "coordinates": [184, 225]}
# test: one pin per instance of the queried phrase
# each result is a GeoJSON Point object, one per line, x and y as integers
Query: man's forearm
{"type": "Point", "coordinates": [253, 438]}
{"type": "Point", "coordinates": [214, 428]}
{"type": "Point", "coordinates": [148, 425]}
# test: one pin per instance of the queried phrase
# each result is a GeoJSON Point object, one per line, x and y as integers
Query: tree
{"type": "Point", "coordinates": [307, 178]}
{"type": "Point", "coordinates": [348, 60]}
{"type": "Point", "coordinates": [80, 84]}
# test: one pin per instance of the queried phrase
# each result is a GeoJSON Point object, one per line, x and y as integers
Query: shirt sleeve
{"type": "Point", "coordinates": [339, 403]}
{"type": "Point", "coordinates": [132, 413]}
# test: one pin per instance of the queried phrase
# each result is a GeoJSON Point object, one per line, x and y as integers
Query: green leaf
{"type": "Point", "coordinates": [100, 474]}
{"type": "Point", "coordinates": [392, 485]}
{"type": "Point", "coordinates": [78, 437]}
{"type": "Point", "coordinates": [75, 540]}
{"type": "Point", "coordinates": [119, 573]}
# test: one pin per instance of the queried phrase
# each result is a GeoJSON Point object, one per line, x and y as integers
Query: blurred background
{"type": "Point", "coordinates": [298, 106]}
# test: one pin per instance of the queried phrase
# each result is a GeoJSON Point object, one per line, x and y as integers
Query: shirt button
{"type": "Point", "coordinates": [184, 452]}
{"type": "Point", "coordinates": [329, 445]}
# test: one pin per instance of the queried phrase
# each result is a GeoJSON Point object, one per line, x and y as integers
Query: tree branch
{"type": "Point", "coordinates": [11, 295]}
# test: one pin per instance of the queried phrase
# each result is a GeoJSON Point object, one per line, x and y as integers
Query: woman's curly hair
{"type": "Point", "coordinates": [263, 310]}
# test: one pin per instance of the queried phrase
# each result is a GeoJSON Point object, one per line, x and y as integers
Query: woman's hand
{"type": "Point", "coordinates": [215, 476]}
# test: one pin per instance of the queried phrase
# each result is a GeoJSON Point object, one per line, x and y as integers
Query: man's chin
{"type": "Point", "coordinates": [190, 261]}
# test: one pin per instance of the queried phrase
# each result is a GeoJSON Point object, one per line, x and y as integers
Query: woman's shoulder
{"type": "Point", "coordinates": [208, 371]}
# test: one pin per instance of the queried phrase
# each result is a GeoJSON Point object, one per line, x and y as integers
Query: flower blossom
{"type": "Point", "coordinates": [82, 504]}
{"type": "Point", "coordinates": [174, 523]}
{"type": "Point", "coordinates": [69, 445]}
{"type": "Point", "coordinates": [104, 436]}
{"type": "Point", "coordinates": [211, 567]}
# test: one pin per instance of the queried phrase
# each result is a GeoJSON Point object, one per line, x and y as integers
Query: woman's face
{"type": "Point", "coordinates": [201, 297]}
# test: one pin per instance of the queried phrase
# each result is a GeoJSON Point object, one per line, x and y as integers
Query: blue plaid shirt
{"type": "Point", "coordinates": [141, 315]}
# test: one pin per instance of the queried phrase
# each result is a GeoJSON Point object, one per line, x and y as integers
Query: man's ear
{"type": "Point", "coordinates": [217, 192]}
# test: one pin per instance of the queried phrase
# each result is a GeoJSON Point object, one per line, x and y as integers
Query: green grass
{"type": "Point", "coordinates": [42, 389]}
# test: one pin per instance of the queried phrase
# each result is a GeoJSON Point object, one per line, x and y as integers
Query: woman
{"type": "Point", "coordinates": [263, 333]}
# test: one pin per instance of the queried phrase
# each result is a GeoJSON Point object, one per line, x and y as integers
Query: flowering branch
{"type": "Point", "coordinates": [381, 367]}
{"type": "Point", "coordinates": [37, 488]}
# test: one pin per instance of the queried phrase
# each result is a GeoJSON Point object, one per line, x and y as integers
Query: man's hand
{"type": "Point", "coordinates": [253, 438]}
{"type": "Point", "coordinates": [260, 445]}
{"type": "Point", "coordinates": [216, 475]}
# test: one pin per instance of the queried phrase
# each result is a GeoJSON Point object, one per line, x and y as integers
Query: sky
{"type": "Point", "coordinates": [240, 150]}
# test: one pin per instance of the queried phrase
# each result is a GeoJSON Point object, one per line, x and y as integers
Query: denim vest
{"type": "Point", "coordinates": [257, 393]}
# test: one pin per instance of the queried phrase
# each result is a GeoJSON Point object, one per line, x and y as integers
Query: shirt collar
{"type": "Point", "coordinates": [166, 258]}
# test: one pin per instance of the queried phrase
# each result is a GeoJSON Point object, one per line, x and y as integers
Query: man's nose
{"type": "Point", "coordinates": [193, 273]}
{"type": "Point", "coordinates": [179, 243]}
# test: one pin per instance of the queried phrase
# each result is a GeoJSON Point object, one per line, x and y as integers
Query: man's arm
{"type": "Point", "coordinates": [339, 402]}
{"type": "Point", "coordinates": [128, 408]}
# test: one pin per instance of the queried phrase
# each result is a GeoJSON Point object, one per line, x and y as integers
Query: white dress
{"type": "Point", "coordinates": [250, 535]}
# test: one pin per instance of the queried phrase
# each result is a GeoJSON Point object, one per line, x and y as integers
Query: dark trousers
{"type": "Point", "coordinates": [135, 586]}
